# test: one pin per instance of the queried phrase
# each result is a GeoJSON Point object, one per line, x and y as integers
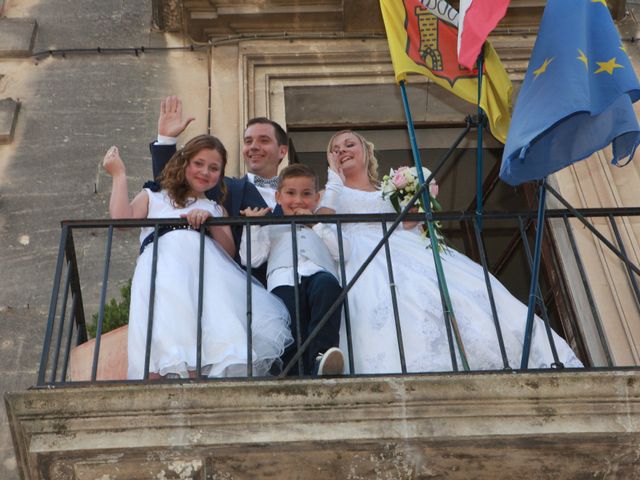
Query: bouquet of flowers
{"type": "Point", "coordinates": [400, 186]}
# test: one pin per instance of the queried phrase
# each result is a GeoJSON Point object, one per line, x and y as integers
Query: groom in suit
{"type": "Point", "coordinates": [264, 145]}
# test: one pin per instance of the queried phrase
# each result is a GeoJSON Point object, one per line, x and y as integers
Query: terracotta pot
{"type": "Point", "coordinates": [112, 364]}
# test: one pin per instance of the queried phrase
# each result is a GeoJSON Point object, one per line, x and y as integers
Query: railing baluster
{"type": "Point", "coordinates": [200, 304]}
{"type": "Point", "coordinates": [249, 305]}
{"type": "Point", "coordinates": [543, 308]}
{"type": "Point", "coordinates": [343, 276]}
{"type": "Point", "coordinates": [53, 305]}
{"type": "Point", "coordinates": [103, 296]}
{"type": "Point", "coordinates": [587, 288]}
{"type": "Point", "coordinates": [67, 354]}
{"type": "Point", "coordinates": [594, 230]}
{"type": "Point", "coordinates": [447, 327]}
{"type": "Point", "coordinates": [152, 297]}
{"type": "Point", "coordinates": [63, 313]}
{"type": "Point", "coordinates": [394, 302]}
{"type": "Point", "coordinates": [632, 277]}
{"type": "Point", "coordinates": [76, 291]}
{"type": "Point", "coordinates": [492, 302]}
{"type": "Point", "coordinates": [296, 295]}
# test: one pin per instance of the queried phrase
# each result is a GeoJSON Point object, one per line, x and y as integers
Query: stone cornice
{"type": "Point", "coordinates": [69, 425]}
{"type": "Point", "coordinates": [205, 19]}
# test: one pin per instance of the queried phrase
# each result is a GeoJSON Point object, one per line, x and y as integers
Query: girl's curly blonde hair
{"type": "Point", "coordinates": [369, 152]}
{"type": "Point", "coordinates": [173, 178]}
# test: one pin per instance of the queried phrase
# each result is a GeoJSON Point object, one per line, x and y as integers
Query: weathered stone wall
{"type": "Point", "coordinates": [71, 110]}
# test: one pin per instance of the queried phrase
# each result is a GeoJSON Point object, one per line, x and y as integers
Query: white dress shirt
{"type": "Point", "coordinates": [261, 246]}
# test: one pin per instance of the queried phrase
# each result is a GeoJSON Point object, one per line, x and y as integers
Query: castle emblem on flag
{"type": "Point", "coordinates": [432, 43]}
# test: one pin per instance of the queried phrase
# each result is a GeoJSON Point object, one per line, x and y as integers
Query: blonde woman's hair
{"type": "Point", "coordinates": [369, 151]}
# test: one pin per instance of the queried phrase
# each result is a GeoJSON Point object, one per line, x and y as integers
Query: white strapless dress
{"type": "Point", "coordinates": [424, 336]}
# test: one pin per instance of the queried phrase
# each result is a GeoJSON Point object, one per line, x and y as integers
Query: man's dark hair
{"type": "Point", "coordinates": [298, 170]}
{"type": "Point", "coordinates": [281, 135]}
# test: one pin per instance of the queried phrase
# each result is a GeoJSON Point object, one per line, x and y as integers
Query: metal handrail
{"type": "Point", "coordinates": [67, 266]}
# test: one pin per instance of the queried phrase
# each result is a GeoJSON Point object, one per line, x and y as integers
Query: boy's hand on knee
{"type": "Point", "coordinates": [255, 212]}
{"type": "Point", "coordinates": [112, 162]}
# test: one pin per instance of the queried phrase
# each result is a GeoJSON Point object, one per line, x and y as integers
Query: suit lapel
{"type": "Point", "coordinates": [238, 194]}
{"type": "Point", "coordinates": [277, 212]}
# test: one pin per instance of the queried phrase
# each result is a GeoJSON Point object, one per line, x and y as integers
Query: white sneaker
{"type": "Point", "coordinates": [330, 362]}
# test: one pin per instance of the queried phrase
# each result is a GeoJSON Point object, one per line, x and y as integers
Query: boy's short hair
{"type": "Point", "coordinates": [298, 170]}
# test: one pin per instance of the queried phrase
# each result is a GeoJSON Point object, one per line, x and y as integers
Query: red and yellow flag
{"type": "Point", "coordinates": [423, 39]}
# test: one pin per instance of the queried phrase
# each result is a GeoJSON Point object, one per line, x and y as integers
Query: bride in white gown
{"type": "Point", "coordinates": [353, 188]}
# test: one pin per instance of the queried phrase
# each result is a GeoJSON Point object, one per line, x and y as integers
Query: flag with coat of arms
{"type": "Point", "coordinates": [576, 97]}
{"type": "Point", "coordinates": [423, 39]}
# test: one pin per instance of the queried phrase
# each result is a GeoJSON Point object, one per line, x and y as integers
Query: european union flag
{"type": "Point", "coordinates": [576, 97]}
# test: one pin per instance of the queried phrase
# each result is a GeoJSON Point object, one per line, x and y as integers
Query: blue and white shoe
{"type": "Point", "coordinates": [330, 362]}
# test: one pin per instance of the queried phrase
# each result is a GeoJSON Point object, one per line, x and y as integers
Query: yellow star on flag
{"type": "Point", "coordinates": [583, 58]}
{"type": "Point", "coordinates": [543, 67]}
{"type": "Point", "coordinates": [600, 1]}
{"type": "Point", "coordinates": [608, 67]}
{"type": "Point", "coordinates": [623, 48]}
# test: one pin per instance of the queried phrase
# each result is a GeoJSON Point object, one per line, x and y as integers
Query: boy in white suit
{"type": "Point", "coordinates": [298, 194]}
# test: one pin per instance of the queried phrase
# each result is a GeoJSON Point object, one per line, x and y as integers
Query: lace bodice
{"type": "Point", "coordinates": [360, 201]}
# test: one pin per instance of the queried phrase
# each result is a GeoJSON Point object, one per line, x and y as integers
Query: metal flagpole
{"type": "Point", "coordinates": [526, 348]}
{"type": "Point", "coordinates": [479, 143]}
{"type": "Point", "coordinates": [447, 306]}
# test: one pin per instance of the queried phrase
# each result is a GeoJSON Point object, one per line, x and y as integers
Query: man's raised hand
{"type": "Point", "coordinates": [170, 122]}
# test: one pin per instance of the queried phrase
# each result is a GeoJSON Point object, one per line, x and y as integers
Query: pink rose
{"type": "Point", "coordinates": [399, 178]}
{"type": "Point", "coordinates": [433, 189]}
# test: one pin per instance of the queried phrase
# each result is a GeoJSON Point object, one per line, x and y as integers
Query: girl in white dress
{"type": "Point", "coordinates": [353, 188]}
{"type": "Point", "coordinates": [193, 170]}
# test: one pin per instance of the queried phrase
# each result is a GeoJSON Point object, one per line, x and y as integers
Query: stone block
{"type": "Point", "coordinates": [9, 109]}
{"type": "Point", "coordinates": [17, 36]}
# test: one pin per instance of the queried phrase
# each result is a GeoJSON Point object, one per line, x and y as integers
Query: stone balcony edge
{"type": "Point", "coordinates": [431, 405]}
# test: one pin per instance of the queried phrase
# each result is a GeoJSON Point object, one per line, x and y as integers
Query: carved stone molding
{"type": "Point", "coordinates": [484, 426]}
{"type": "Point", "coordinates": [205, 19]}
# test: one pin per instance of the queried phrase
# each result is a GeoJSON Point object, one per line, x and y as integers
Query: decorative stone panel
{"type": "Point", "coordinates": [9, 109]}
{"type": "Point", "coordinates": [17, 36]}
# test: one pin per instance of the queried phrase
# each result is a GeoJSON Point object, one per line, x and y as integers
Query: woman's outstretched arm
{"type": "Point", "coordinates": [119, 205]}
{"type": "Point", "coordinates": [333, 189]}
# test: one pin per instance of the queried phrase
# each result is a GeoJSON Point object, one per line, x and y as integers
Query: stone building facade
{"type": "Point", "coordinates": [78, 77]}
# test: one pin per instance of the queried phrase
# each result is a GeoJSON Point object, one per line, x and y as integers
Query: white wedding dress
{"type": "Point", "coordinates": [224, 315]}
{"type": "Point", "coordinates": [424, 337]}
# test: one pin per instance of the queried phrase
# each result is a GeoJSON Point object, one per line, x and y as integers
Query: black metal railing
{"type": "Point", "coordinates": [66, 325]}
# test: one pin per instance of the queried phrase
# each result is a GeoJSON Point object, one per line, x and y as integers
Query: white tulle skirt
{"type": "Point", "coordinates": [423, 331]}
{"type": "Point", "coordinates": [224, 314]}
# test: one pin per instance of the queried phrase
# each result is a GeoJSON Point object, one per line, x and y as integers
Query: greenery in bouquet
{"type": "Point", "coordinates": [400, 185]}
